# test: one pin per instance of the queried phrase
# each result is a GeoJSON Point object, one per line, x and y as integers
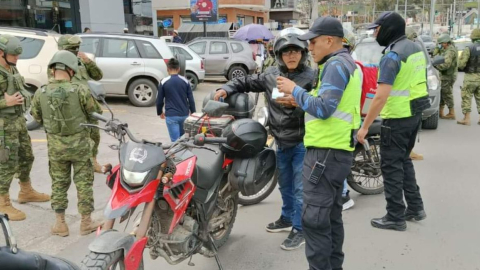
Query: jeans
{"type": "Point", "coordinates": [397, 141]}
{"type": "Point", "coordinates": [290, 167]}
{"type": "Point", "coordinates": [345, 189]}
{"type": "Point", "coordinates": [175, 126]}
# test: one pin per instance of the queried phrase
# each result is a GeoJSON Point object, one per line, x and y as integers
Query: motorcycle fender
{"type": "Point", "coordinates": [111, 241]}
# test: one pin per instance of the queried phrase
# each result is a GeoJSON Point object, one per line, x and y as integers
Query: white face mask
{"type": "Point", "coordinates": [439, 46]}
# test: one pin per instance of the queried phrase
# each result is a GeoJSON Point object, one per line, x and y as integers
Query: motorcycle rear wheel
{"type": "Point", "coordinates": [366, 178]}
{"type": "Point", "coordinates": [101, 261]}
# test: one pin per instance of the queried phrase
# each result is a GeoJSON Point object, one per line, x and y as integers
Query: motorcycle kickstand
{"type": "Point", "coordinates": [220, 267]}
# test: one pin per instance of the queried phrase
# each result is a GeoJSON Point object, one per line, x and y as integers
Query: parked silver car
{"type": "Point", "coordinates": [195, 65]}
{"type": "Point", "coordinates": [132, 65]}
{"type": "Point", "coordinates": [369, 52]}
{"type": "Point", "coordinates": [225, 57]}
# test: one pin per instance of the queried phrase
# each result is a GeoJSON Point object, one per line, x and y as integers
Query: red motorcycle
{"type": "Point", "coordinates": [189, 188]}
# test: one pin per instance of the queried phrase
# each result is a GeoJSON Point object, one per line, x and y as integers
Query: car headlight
{"type": "Point", "coordinates": [262, 116]}
{"type": "Point", "coordinates": [134, 178]}
{"type": "Point", "coordinates": [432, 80]}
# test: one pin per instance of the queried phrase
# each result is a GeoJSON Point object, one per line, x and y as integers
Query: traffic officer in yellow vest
{"type": "Point", "coordinates": [87, 70]}
{"type": "Point", "coordinates": [16, 156]}
{"type": "Point", "coordinates": [331, 121]}
{"type": "Point", "coordinates": [401, 97]}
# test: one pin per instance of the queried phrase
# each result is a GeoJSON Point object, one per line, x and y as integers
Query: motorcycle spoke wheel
{"type": "Point", "coordinates": [366, 178]}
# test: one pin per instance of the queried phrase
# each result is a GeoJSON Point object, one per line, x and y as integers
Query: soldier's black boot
{"type": "Point", "coordinates": [386, 224]}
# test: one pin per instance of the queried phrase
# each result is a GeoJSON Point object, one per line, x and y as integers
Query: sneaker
{"type": "Point", "coordinates": [279, 226]}
{"type": "Point", "coordinates": [294, 240]}
{"type": "Point", "coordinates": [347, 201]}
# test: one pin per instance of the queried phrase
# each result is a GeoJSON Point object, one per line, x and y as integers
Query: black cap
{"type": "Point", "coordinates": [380, 20]}
{"type": "Point", "coordinates": [324, 26]}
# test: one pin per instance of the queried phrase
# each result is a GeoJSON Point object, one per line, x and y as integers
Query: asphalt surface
{"type": "Point", "coordinates": [447, 239]}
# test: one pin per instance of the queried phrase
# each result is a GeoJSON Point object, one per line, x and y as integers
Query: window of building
{"type": "Point", "coordinates": [89, 45]}
{"type": "Point", "coordinates": [259, 20]}
{"type": "Point", "coordinates": [31, 47]}
{"type": "Point", "coordinates": [120, 48]}
{"type": "Point", "coordinates": [236, 47]}
{"type": "Point", "coordinates": [218, 47]}
{"type": "Point", "coordinates": [198, 47]}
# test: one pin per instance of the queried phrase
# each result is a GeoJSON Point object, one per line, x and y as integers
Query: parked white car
{"type": "Point", "coordinates": [195, 65]}
{"type": "Point", "coordinates": [38, 49]}
{"type": "Point", "coordinates": [132, 65]}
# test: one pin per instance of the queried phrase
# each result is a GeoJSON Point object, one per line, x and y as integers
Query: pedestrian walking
{"type": "Point", "coordinates": [401, 97]}
{"type": "Point", "coordinates": [470, 63]}
{"type": "Point", "coordinates": [62, 106]}
{"type": "Point", "coordinates": [286, 121]}
{"type": "Point", "coordinates": [176, 94]}
{"type": "Point", "coordinates": [331, 121]}
{"type": "Point", "coordinates": [176, 37]}
{"type": "Point", "coordinates": [16, 155]}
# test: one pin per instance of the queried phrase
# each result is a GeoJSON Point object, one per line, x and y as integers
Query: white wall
{"type": "Point", "coordinates": [102, 16]}
{"type": "Point", "coordinates": [170, 4]}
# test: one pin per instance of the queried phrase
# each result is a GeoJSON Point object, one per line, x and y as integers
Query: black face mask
{"type": "Point", "coordinates": [392, 29]}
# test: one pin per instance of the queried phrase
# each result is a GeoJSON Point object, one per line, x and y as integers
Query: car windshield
{"type": "Point", "coordinates": [369, 53]}
{"type": "Point", "coordinates": [462, 45]}
{"type": "Point", "coordinates": [426, 38]}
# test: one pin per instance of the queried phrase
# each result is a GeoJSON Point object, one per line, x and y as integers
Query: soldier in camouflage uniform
{"type": "Point", "coordinates": [271, 57]}
{"type": "Point", "coordinates": [87, 70]}
{"type": "Point", "coordinates": [16, 156]}
{"type": "Point", "coordinates": [62, 106]}
{"type": "Point", "coordinates": [448, 74]}
{"type": "Point", "coordinates": [470, 63]}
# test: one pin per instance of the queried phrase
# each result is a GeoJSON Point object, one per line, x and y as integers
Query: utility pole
{"type": "Point", "coordinates": [454, 19]}
{"type": "Point", "coordinates": [405, 10]}
{"type": "Point", "coordinates": [374, 6]}
{"type": "Point", "coordinates": [423, 14]}
{"type": "Point", "coordinates": [342, 12]}
{"type": "Point", "coordinates": [432, 16]}
{"type": "Point", "coordinates": [396, 7]}
{"type": "Point", "coordinates": [478, 11]}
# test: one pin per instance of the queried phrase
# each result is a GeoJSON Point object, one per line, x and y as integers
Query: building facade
{"type": "Point", "coordinates": [171, 14]}
{"type": "Point", "coordinates": [285, 11]}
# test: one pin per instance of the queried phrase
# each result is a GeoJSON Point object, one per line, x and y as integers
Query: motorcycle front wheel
{"type": "Point", "coordinates": [104, 261]}
{"type": "Point", "coordinates": [366, 177]}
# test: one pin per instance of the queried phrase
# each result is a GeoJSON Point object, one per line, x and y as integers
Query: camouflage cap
{"type": "Point", "coordinates": [64, 58]}
{"type": "Point", "coordinates": [10, 45]}
{"type": "Point", "coordinates": [349, 40]}
{"type": "Point", "coordinates": [410, 33]}
{"type": "Point", "coordinates": [68, 41]}
{"type": "Point", "coordinates": [475, 34]}
{"type": "Point", "coordinates": [445, 38]}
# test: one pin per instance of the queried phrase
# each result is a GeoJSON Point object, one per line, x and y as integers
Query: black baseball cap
{"type": "Point", "coordinates": [324, 26]}
{"type": "Point", "coordinates": [380, 20]}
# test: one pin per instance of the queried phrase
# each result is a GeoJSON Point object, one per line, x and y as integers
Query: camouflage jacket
{"type": "Point", "coordinates": [75, 147]}
{"type": "Point", "coordinates": [449, 69]}
{"type": "Point", "coordinates": [462, 63]}
{"type": "Point", "coordinates": [270, 61]}
{"type": "Point", "coordinates": [86, 71]}
{"type": "Point", "coordinates": [18, 87]}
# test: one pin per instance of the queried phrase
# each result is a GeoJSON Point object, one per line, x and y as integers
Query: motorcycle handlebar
{"type": "Point", "coordinates": [100, 117]}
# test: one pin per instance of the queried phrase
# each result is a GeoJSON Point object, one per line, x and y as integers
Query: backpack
{"type": "Point", "coordinates": [369, 86]}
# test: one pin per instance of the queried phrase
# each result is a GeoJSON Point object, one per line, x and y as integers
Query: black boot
{"type": "Point", "coordinates": [386, 224]}
{"type": "Point", "coordinates": [417, 215]}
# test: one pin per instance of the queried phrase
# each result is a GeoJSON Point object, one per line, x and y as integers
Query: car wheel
{"type": "Point", "coordinates": [236, 72]}
{"type": "Point", "coordinates": [431, 122]}
{"type": "Point", "coordinates": [192, 79]}
{"type": "Point", "coordinates": [142, 93]}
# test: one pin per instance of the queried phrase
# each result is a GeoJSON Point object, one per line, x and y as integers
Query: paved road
{"type": "Point", "coordinates": [447, 239]}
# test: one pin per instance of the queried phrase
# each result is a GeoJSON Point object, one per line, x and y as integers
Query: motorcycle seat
{"type": "Point", "coordinates": [375, 128]}
{"type": "Point", "coordinates": [24, 260]}
{"type": "Point", "coordinates": [208, 168]}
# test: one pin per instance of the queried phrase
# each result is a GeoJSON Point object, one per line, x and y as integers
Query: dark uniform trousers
{"type": "Point", "coordinates": [322, 208]}
{"type": "Point", "coordinates": [397, 141]}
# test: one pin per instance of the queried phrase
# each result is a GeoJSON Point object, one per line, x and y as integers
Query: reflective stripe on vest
{"type": "Point", "coordinates": [336, 131]}
{"type": "Point", "coordinates": [410, 84]}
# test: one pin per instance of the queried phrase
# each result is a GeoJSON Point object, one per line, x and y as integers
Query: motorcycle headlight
{"type": "Point", "coordinates": [262, 116]}
{"type": "Point", "coordinates": [134, 178]}
{"type": "Point", "coordinates": [432, 80]}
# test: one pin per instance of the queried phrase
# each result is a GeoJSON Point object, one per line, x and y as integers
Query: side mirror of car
{"type": "Point", "coordinates": [438, 60]}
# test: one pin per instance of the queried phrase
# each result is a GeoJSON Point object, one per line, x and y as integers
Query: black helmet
{"type": "Point", "coordinates": [245, 138]}
{"type": "Point", "coordinates": [290, 39]}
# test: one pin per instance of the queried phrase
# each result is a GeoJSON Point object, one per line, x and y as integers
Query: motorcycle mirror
{"type": "Point", "coordinates": [215, 108]}
{"type": "Point", "coordinates": [438, 60]}
{"type": "Point", "coordinates": [98, 92]}
{"type": "Point", "coordinates": [262, 116]}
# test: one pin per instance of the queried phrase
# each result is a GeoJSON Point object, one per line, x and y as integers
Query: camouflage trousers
{"type": "Point", "coordinates": [21, 158]}
{"type": "Point", "coordinates": [469, 90]}
{"type": "Point", "coordinates": [446, 97]}
{"type": "Point", "coordinates": [61, 173]}
{"type": "Point", "coordinates": [95, 136]}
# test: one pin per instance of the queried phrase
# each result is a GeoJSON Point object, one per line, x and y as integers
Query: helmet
{"type": "Point", "coordinates": [245, 138]}
{"type": "Point", "coordinates": [445, 38]}
{"type": "Point", "coordinates": [475, 34]}
{"type": "Point", "coordinates": [65, 58]}
{"type": "Point", "coordinates": [10, 45]}
{"type": "Point", "coordinates": [66, 42]}
{"type": "Point", "coordinates": [291, 30]}
{"type": "Point", "coordinates": [290, 39]}
{"type": "Point", "coordinates": [348, 40]}
{"type": "Point", "coordinates": [411, 33]}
